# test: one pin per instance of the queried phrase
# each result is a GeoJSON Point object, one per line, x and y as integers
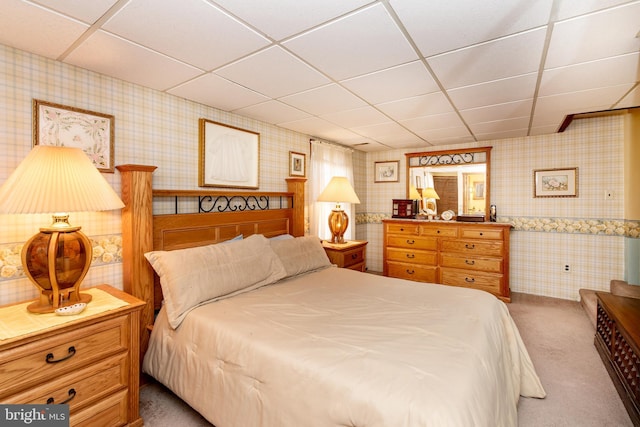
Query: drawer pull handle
{"type": "Point", "coordinates": [468, 246]}
{"type": "Point", "coordinates": [72, 394]}
{"type": "Point", "coordinates": [50, 356]}
{"type": "Point", "coordinates": [354, 256]}
{"type": "Point", "coordinates": [469, 280]}
{"type": "Point", "coordinates": [472, 262]}
{"type": "Point", "coordinates": [411, 256]}
{"type": "Point", "coordinates": [482, 234]}
{"type": "Point", "coordinates": [438, 231]}
{"type": "Point", "coordinates": [410, 242]}
{"type": "Point", "coordinates": [410, 271]}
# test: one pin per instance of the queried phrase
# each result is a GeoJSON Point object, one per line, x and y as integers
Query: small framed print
{"type": "Point", "coordinates": [297, 164]}
{"type": "Point", "coordinates": [60, 125]}
{"type": "Point", "coordinates": [386, 171]}
{"type": "Point", "coordinates": [555, 182]}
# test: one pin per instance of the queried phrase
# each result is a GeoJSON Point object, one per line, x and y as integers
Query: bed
{"type": "Point", "coordinates": [292, 340]}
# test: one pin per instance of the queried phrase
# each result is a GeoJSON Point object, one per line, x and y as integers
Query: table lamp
{"type": "Point", "coordinates": [339, 190]}
{"type": "Point", "coordinates": [57, 180]}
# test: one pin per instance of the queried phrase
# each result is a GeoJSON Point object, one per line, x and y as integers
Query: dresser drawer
{"type": "Point", "coordinates": [412, 242]}
{"type": "Point", "coordinates": [78, 388]}
{"type": "Point", "coordinates": [491, 265]}
{"type": "Point", "coordinates": [438, 231]}
{"type": "Point", "coordinates": [475, 233]}
{"type": "Point", "coordinates": [353, 257]}
{"type": "Point", "coordinates": [472, 279]}
{"type": "Point", "coordinates": [412, 256]}
{"type": "Point", "coordinates": [473, 247]}
{"type": "Point", "coordinates": [54, 356]}
{"type": "Point", "coordinates": [412, 272]}
{"type": "Point", "coordinates": [109, 412]}
{"type": "Point", "coordinates": [403, 229]}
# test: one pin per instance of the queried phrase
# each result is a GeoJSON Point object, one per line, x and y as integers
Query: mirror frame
{"type": "Point", "coordinates": [454, 161]}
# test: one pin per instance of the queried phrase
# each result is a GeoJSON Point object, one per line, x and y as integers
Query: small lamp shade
{"type": "Point", "coordinates": [414, 194]}
{"type": "Point", "coordinates": [338, 190]}
{"type": "Point", "coordinates": [57, 180]}
{"type": "Point", "coordinates": [430, 193]}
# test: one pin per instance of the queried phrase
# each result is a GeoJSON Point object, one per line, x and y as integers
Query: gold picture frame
{"type": "Point", "coordinates": [297, 164]}
{"type": "Point", "coordinates": [562, 182]}
{"type": "Point", "coordinates": [229, 157]}
{"type": "Point", "coordinates": [61, 125]}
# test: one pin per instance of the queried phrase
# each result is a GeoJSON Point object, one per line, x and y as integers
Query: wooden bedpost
{"type": "Point", "coordinates": [296, 186]}
{"type": "Point", "coordinates": [137, 238]}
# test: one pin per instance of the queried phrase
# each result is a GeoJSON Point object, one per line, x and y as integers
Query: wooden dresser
{"type": "Point", "coordinates": [351, 254]}
{"type": "Point", "coordinates": [91, 363]}
{"type": "Point", "coordinates": [618, 343]}
{"type": "Point", "coordinates": [472, 255]}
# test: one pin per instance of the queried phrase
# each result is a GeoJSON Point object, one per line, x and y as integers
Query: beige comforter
{"type": "Point", "coordinates": [343, 348]}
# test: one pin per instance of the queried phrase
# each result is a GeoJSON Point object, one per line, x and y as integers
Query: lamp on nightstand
{"type": "Point", "coordinates": [57, 180]}
{"type": "Point", "coordinates": [339, 190]}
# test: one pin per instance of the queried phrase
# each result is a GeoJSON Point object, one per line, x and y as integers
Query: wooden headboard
{"type": "Point", "coordinates": [142, 231]}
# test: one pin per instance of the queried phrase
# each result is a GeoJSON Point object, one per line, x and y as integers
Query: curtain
{"type": "Point", "coordinates": [327, 161]}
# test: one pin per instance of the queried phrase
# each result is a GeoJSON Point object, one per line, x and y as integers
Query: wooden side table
{"type": "Point", "coordinates": [90, 362]}
{"type": "Point", "coordinates": [351, 254]}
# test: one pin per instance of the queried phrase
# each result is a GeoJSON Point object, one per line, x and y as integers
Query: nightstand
{"type": "Point", "coordinates": [89, 361]}
{"type": "Point", "coordinates": [351, 254]}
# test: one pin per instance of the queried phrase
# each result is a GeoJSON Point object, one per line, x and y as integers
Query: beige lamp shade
{"type": "Point", "coordinates": [57, 180]}
{"type": "Point", "coordinates": [338, 190]}
{"type": "Point", "coordinates": [430, 193]}
{"type": "Point", "coordinates": [414, 194]}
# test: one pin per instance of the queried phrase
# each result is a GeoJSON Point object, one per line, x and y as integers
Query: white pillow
{"type": "Point", "coordinates": [301, 254]}
{"type": "Point", "coordinates": [194, 276]}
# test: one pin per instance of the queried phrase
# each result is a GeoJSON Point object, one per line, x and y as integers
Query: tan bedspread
{"type": "Point", "coordinates": [343, 348]}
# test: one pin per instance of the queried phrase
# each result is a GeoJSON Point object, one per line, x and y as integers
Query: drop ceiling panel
{"type": "Point", "coordinates": [439, 26]}
{"type": "Point", "coordinates": [435, 121]}
{"type": "Point", "coordinates": [365, 41]}
{"type": "Point", "coordinates": [601, 73]}
{"type": "Point", "coordinates": [518, 123]}
{"type": "Point", "coordinates": [208, 38]}
{"type": "Point", "coordinates": [209, 88]}
{"type": "Point", "coordinates": [113, 56]}
{"type": "Point", "coordinates": [418, 106]}
{"type": "Point", "coordinates": [284, 18]}
{"type": "Point", "coordinates": [489, 113]}
{"type": "Point", "coordinates": [439, 136]}
{"type": "Point", "coordinates": [632, 99]}
{"type": "Point", "coordinates": [324, 100]}
{"type": "Point", "coordinates": [86, 11]}
{"type": "Point", "coordinates": [494, 92]}
{"type": "Point", "coordinates": [499, 59]}
{"type": "Point", "coordinates": [273, 72]}
{"type": "Point", "coordinates": [390, 133]}
{"type": "Point", "coordinates": [272, 112]}
{"type": "Point", "coordinates": [595, 36]}
{"type": "Point", "coordinates": [356, 117]}
{"type": "Point", "coordinates": [571, 8]}
{"type": "Point", "coordinates": [399, 82]}
{"type": "Point", "coordinates": [31, 28]}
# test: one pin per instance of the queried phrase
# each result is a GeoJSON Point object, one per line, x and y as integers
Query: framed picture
{"type": "Point", "coordinates": [60, 125]}
{"type": "Point", "coordinates": [386, 171]}
{"type": "Point", "coordinates": [228, 156]}
{"type": "Point", "coordinates": [555, 182]}
{"type": "Point", "coordinates": [297, 165]}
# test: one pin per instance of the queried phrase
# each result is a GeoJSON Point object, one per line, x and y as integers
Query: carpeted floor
{"type": "Point", "coordinates": [559, 338]}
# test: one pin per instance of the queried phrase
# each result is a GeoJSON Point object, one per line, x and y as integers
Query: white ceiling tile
{"type": "Point", "coordinates": [500, 125]}
{"type": "Point", "coordinates": [356, 117]}
{"type": "Point", "coordinates": [270, 17]}
{"type": "Point", "coordinates": [113, 56]}
{"type": "Point", "coordinates": [632, 99]}
{"type": "Point", "coordinates": [442, 26]}
{"type": "Point", "coordinates": [311, 126]}
{"type": "Point", "coordinates": [55, 33]}
{"type": "Point", "coordinates": [571, 8]}
{"type": "Point", "coordinates": [442, 134]}
{"type": "Point", "coordinates": [272, 112]}
{"type": "Point", "coordinates": [435, 121]}
{"type": "Point", "coordinates": [365, 41]}
{"type": "Point", "coordinates": [387, 133]}
{"type": "Point", "coordinates": [601, 73]}
{"type": "Point", "coordinates": [418, 106]}
{"type": "Point", "coordinates": [273, 72]}
{"type": "Point", "coordinates": [211, 89]}
{"type": "Point", "coordinates": [512, 133]}
{"type": "Point", "coordinates": [490, 113]}
{"type": "Point", "coordinates": [399, 82]}
{"type": "Point", "coordinates": [598, 35]}
{"type": "Point", "coordinates": [86, 11]}
{"type": "Point", "coordinates": [494, 92]}
{"type": "Point", "coordinates": [324, 100]}
{"type": "Point", "coordinates": [545, 130]}
{"type": "Point", "coordinates": [506, 57]}
{"type": "Point", "coordinates": [192, 31]}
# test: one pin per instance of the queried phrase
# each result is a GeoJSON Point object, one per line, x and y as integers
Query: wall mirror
{"type": "Point", "coordinates": [460, 179]}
